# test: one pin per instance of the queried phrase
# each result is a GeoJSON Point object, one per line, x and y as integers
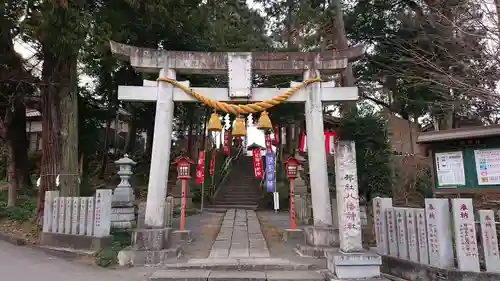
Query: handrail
{"type": "Point", "coordinates": [226, 167]}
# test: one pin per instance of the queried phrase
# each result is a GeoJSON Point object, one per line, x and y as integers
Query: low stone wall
{"type": "Point", "coordinates": [414, 271]}
{"type": "Point", "coordinates": [77, 222]}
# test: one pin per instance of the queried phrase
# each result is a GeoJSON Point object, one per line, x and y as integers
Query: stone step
{"type": "Point", "coordinates": [225, 207]}
{"type": "Point", "coordinates": [242, 264]}
{"type": "Point", "coordinates": [235, 203]}
{"type": "Point", "coordinates": [222, 275]}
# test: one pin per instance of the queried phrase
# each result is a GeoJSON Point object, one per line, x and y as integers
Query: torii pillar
{"type": "Point", "coordinates": [240, 67]}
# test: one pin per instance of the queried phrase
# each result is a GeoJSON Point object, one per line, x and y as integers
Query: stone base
{"type": "Point", "coordinates": [293, 234]}
{"type": "Point", "coordinates": [180, 236]}
{"type": "Point", "coordinates": [353, 265]}
{"type": "Point", "coordinates": [312, 252]}
{"type": "Point", "coordinates": [154, 239]}
{"type": "Point", "coordinates": [79, 242]}
{"type": "Point", "coordinates": [123, 224]}
{"type": "Point", "coordinates": [415, 271]}
{"type": "Point", "coordinates": [134, 257]}
{"type": "Point", "coordinates": [318, 239]}
{"type": "Point", "coordinates": [321, 236]}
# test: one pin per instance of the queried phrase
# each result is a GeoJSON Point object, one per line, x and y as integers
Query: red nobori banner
{"type": "Point", "coordinates": [276, 131]}
{"type": "Point", "coordinates": [227, 142]}
{"type": "Point", "coordinates": [200, 168]}
{"type": "Point", "coordinates": [269, 144]}
{"type": "Point", "coordinates": [257, 163]}
{"type": "Point", "coordinates": [212, 164]}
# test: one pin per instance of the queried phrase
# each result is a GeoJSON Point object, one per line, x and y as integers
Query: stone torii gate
{"type": "Point", "coordinates": [240, 67]}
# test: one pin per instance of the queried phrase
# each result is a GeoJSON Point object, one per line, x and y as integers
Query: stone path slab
{"type": "Point", "coordinates": [240, 236]}
{"type": "Point", "coordinates": [219, 275]}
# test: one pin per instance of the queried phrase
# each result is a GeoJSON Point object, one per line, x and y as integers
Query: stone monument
{"type": "Point", "coordinates": [351, 261]}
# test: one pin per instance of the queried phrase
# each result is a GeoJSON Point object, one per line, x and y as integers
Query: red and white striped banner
{"type": "Point", "coordinates": [269, 145]}
{"type": "Point", "coordinates": [212, 164]}
{"type": "Point", "coordinates": [330, 138]}
{"type": "Point", "coordinates": [227, 142]}
{"type": "Point", "coordinates": [200, 168]}
{"type": "Point", "coordinates": [257, 163]}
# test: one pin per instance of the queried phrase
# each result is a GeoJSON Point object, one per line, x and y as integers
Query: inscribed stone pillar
{"type": "Point", "coordinates": [55, 215]}
{"type": "Point", "coordinates": [465, 234]}
{"type": "Point", "coordinates": [402, 232]}
{"type": "Point", "coordinates": [347, 197]}
{"type": "Point", "coordinates": [75, 217]}
{"type": "Point", "coordinates": [62, 208]}
{"type": "Point", "coordinates": [489, 240]}
{"type": "Point", "coordinates": [391, 232]}
{"type": "Point", "coordinates": [380, 206]}
{"type": "Point", "coordinates": [437, 212]}
{"type": "Point", "coordinates": [411, 224]}
{"type": "Point", "coordinates": [423, 246]}
{"type": "Point", "coordinates": [90, 216]}
{"type": "Point", "coordinates": [67, 215]}
{"type": "Point", "coordinates": [48, 210]}
{"type": "Point", "coordinates": [102, 219]}
{"type": "Point", "coordinates": [322, 213]}
{"type": "Point", "coordinates": [160, 160]}
{"type": "Point", "coordinates": [82, 225]}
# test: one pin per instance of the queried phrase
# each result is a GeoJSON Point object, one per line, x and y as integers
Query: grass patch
{"type": "Point", "coordinates": [23, 211]}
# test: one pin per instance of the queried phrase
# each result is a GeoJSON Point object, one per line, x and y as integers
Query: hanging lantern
{"type": "Point", "coordinates": [239, 129]}
{"type": "Point", "coordinates": [214, 124]}
{"type": "Point", "coordinates": [264, 122]}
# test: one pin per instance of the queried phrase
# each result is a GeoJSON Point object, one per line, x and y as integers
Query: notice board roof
{"type": "Point", "coordinates": [458, 134]}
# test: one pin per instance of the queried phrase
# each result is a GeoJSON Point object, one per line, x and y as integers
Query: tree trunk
{"type": "Point", "coordinates": [69, 127]}
{"type": "Point", "coordinates": [340, 42]}
{"type": "Point", "coordinates": [50, 128]}
{"type": "Point", "coordinates": [104, 158]}
{"type": "Point", "coordinates": [150, 131]}
{"type": "Point", "coordinates": [11, 174]}
{"type": "Point", "coordinates": [20, 144]}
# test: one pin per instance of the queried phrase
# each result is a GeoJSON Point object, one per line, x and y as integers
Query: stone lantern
{"type": "Point", "coordinates": [123, 208]}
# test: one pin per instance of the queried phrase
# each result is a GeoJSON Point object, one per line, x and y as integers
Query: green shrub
{"type": "Point", "coordinates": [24, 211]}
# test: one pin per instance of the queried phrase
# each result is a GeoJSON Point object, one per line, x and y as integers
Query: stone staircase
{"type": "Point", "coordinates": [241, 190]}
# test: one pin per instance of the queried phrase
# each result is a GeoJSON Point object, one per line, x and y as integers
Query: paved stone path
{"type": "Point", "coordinates": [27, 263]}
{"type": "Point", "coordinates": [240, 236]}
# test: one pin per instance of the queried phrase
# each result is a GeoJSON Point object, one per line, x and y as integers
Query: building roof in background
{"type": "Point", "coordinates": [460, 133]}
{"type": "Point", "coordinates": [31, 113]}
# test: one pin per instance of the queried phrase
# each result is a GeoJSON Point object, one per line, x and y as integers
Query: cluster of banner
{"type": "Point", "coordinates": [200, 167]}
{"type": "Point", "coordinates": [269, 170]}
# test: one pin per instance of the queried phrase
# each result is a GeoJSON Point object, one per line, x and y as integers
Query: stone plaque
{"type": "Point", "coordinates": [55, 215]}
{"type": "Point", "coordinates": [391, 232]}
{"type": "Point", "coordinates": [347, 197]}
{"type": "Point", "coordinates": [82, 224]}
{"type": "Point", "coordinates": [75, 221]}
{"type": "Point", "coordinates": [465, 234]}
{"type": "Point", "coordinates": [490, 241]}
{"type": "Point", "coordinates": [380, 206]}
{"type": "Point", "coordinates": [48, 210]}
{"type": "Point", "coordinates": [439, 238]}
{"type": "Point", "coordinates": [411, 224]}
{"type": "Point", "coordinates": [68, 215]}
{"type": "Point", "coordinates": [102, 212]}
{"type": "Point", "coordinates": [423, 246]}
{"type": "Point", "coordinates": [402, 232]}
{"type": "Point", "coordinates": [62, 209]}
{"type": "Point", "coordinates": [90, 217]}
